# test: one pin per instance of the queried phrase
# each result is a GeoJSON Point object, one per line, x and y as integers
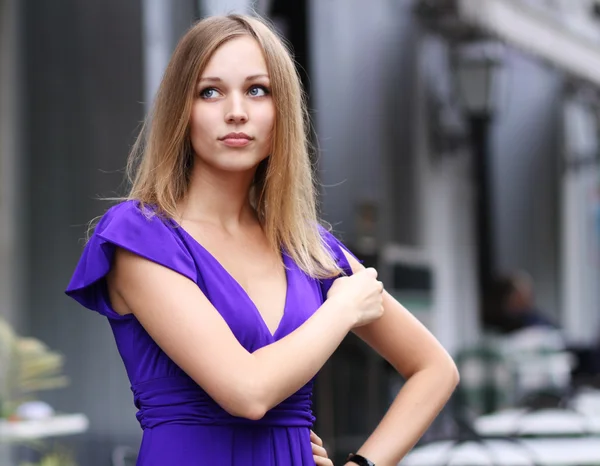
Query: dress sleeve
{"type": "Point", "coordinates": [126, 226]}
{"type": "Point", "coordinates": [337, 249]}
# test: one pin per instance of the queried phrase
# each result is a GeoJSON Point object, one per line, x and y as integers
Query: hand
{"type": "Point", "coordinates": [319, 452]}
{"type": "Point", "coordinates": [362, 292]}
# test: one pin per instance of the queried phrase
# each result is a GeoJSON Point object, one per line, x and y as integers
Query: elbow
{"type": "Point", "coordinates": [254, 412]}
{"type": "Point", "coordinates": [444, 374]}
{"type": "Point", "coordinates": [450, 373]}
{"type": "Point", "coordinates": [454, 375]}
{"type": "Point", "coordinates": [446, 366]}
{"type": "Point", "coordinates": [247, 401]}
{"type": "Point", "coordinates": [247, 409]}
{"type": "Point", "coordinates": [444, 378]}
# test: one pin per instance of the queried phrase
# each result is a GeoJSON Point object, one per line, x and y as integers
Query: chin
{"type": "Point", "coordinates": [238, 163]}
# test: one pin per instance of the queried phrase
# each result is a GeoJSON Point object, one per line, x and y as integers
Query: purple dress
{"type": "Point", "coordinates": [182, 425]}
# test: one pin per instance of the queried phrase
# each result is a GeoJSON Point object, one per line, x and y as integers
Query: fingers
{"type": "Point", "coordinates": [314, 438]}
{"type": "Point", "coordinates": [322, 461]}
{"type": "Point", "coordinates": [371, 272]}
{"type": "Point", "coordinates": [318, 451]}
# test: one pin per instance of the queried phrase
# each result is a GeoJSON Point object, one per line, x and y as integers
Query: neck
{"type": "Point", "coordinates": [218, 197]}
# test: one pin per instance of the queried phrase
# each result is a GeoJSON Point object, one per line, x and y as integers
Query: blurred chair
{"type": "Point", "coordinates": [506, 370]}
{"type": "Point", "coordinates": [539, 360]}
{"type": "Point", "coordinates": [124, 456]}
{"type": "Point", "coordinates": [487, 383]}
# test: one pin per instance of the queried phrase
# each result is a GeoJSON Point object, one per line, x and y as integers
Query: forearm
{"type": "Point", "coordinates": [283, 367]}
{"type": "Point", "coordinates": [422, 397]}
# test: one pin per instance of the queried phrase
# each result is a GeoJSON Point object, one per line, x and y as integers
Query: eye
{"type": "Point", "coordinates": [209, 93]}
{"type": "Point", "coordinates": [258, 91]}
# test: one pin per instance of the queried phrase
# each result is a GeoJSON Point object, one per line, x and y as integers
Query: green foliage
{"type": "Point", "coordinates": [27, 366]}
{"type": "Point", "coordinates": [54, 459]}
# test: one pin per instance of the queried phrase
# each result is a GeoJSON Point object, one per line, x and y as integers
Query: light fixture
{"type": "Point", "coordinates": [474, 73]}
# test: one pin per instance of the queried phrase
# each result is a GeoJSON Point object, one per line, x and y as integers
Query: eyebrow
{"type": "Point", "coordinates": [249, 78]}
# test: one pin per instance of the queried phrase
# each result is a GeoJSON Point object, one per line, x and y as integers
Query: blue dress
{"type": "Point", "coordinates": [182, 425]}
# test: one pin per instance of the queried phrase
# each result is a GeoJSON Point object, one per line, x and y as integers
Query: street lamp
{"type": "Point", "coordinates": [475, 72]}
{"type": "Point", "coordinates": [474, 79]}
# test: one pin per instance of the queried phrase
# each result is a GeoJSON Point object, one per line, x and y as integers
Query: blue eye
{"type": "Point", "coordinates": [208, 93]}
{"type": "Point", "coordinates": [258, 91]}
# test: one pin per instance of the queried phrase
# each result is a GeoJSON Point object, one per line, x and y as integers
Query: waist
{"type": "Point", "coordinates": [179, 400]}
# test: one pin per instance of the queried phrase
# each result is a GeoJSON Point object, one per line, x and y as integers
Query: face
{"type": "Point", "coordinates": [521, 298]}
{"type": "Point", "coordinates": [233, 112]}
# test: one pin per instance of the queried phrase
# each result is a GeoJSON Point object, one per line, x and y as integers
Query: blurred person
{"type": "Point", "coordinates": [224, 294]}
{"type": "Point", "coordinates": [512, 305]}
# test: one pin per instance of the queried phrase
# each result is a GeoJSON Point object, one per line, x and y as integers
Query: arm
{"type": "Point", "coordinates": [431, 377]}
{"type": "Point", "coordinates": [184, 323]}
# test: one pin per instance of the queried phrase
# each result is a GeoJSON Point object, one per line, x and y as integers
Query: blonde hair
{"type": "Point", "coordinates": [283, 193]}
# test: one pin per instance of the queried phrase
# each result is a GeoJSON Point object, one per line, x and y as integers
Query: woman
{"type": "Point", "coordinates": [219, 285]}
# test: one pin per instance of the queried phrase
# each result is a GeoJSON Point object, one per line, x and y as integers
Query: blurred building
{"type": "Point", "coordinates": [439, 191]}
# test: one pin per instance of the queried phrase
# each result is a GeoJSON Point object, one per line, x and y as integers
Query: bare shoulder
{"type": "Point", "coordinates": [354, 264]}
{"type": "Point", "coordinates": [399, 337]}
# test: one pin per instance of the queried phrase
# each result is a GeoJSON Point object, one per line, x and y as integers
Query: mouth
{"type": "Point", "coordinates": [236, 139]}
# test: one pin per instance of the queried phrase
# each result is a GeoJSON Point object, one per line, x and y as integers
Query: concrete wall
{"type": "Point", "coordinates": [447, 202]}
{"type": "Point", "coordinates": [580, 221]}
{"type": "Point", "coordinates": [11, 265]}
{"type": "Point", "coordinates": [363, 69]}
{"type": "Point", "coordinates": [526, 150]}
{"type": "Point", "coordinates": [84, 100]}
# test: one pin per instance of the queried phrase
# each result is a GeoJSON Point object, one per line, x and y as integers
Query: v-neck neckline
{"type": "Point", "coordinates": [242, 290]}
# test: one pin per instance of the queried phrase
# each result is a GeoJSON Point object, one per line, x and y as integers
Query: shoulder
{"type": "Point", "coordinates": [339, 250]}
{"type": "Point", "coordinates": [139, 230]}
{"type": "Point", "coordinates": [343, 256]}
{"type": "Point", "coordinates": [133, 216]}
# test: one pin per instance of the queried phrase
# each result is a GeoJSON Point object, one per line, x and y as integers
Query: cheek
{"type": "Point", "coordinates": [267, 120]}
{"type": "Point", "coordinates": [200, 124]}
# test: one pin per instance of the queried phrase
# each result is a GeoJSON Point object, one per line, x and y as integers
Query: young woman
{"type": "Point", "coordinates": [220, 286]}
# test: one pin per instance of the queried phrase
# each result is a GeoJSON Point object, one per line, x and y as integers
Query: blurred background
{"type": "Point", "coordinates": [458, 152]}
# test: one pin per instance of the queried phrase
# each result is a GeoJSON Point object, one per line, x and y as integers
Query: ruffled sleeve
{"type": "Point", "coordinates": [337, 249]}
{"type": "Point", "coordinates": [126, 226]}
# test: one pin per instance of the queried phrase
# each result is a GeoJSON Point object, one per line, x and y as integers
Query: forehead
{"type": "Point", "coordinates": [239, 56]}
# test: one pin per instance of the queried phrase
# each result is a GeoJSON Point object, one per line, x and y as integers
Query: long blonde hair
{"type": "Point", "coordinates": [284, 192]}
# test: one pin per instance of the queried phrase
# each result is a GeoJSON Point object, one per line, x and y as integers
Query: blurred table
{"type": "Point", "coordinates": [546, 422]}
{"type": "Point", "coordinates": [56, 426]}
{"type": "Point", "coordinates": [582, 451]}
{"type": "Point", "coordinates": [20, 431]}
{"type": "Point", "coordinates": [587, 401]}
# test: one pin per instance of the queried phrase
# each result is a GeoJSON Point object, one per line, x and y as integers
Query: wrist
{"type": "Point", "coordinates": [354, 459]}
{"type": "Point", "coordinates": [344, 311]}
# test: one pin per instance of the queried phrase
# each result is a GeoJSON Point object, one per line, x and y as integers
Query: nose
{"type": "Point", "coordinates": [236, 112]}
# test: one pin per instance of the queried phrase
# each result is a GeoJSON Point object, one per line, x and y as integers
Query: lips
{"type": "Point", "coordinates": [236, 136]}
{"type": "Point", "coordinates": [236, 140]}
